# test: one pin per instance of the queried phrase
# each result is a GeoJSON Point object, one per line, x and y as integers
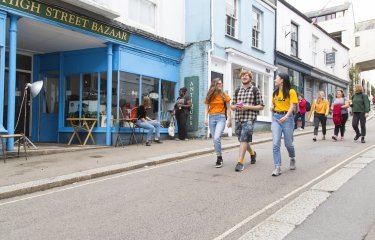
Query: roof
{"type": "Point", "coordinates": [329, 10]}
{"type": "Point", "coordinates": [365, 25]}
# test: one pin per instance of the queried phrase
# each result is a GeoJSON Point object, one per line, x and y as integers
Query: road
{"type": "Point", "coordinates": [186, 199]}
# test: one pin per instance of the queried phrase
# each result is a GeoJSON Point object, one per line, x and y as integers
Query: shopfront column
{"type": "Point", "coordinates": [3, 23]}
{"type": "Point", "coordinates": [108, 136]}
{"type": "Point", "coordinates": [12, 78]}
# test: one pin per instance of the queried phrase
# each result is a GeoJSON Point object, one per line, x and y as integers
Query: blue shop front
{"type": "Point", "coordinates": [89, 69]}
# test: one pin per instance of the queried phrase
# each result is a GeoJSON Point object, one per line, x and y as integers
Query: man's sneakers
{"type": "Point", "coordinates": [253, 158]}
{"type": "Point", "coordinates": [276, 172]}
{"type": "Point", "coordinates": [219, 162]}
{"type": "Point", "coordinates": [239, 167]}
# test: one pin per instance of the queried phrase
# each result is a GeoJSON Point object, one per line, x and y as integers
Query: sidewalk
{"type": "Point", "coordinates": [44, 171]}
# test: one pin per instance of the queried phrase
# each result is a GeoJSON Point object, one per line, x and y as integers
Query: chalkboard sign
{"type": "Point", "coordinates": [330, 58]}
{"type": "Point", "coordinates": [192, 85]}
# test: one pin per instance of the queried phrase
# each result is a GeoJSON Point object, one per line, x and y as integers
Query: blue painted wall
{"type": "Point", "coordinates": [197, 20]}
{"type": "Point", "coordinates": [243, 43]}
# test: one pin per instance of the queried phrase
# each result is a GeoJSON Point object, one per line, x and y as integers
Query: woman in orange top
{"type": "Point", "coordinates": [217, 102]}
{"type": "Point", "coordinates": [320, 107]}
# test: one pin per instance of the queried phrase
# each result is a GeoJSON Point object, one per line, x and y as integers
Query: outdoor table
{"type": "Point", "coordinates": [85, 124]}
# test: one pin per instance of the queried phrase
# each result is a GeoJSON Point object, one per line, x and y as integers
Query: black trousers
{"type": "Point", "coordinates": [359, 117]}
{"type": "Point", "coordinates": [342, 127]}
{"type": "Point", "coordinates": [181, 123]}
{"type": "Point", "coordinates": [320, 118]}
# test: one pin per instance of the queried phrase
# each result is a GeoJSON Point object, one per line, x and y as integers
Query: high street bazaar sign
{"type": "Point", "coordinates": [61, 16]}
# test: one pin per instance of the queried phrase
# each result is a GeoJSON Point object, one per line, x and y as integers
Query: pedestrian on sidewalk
{"type": "Point", "coordinates": [284, 99]}
{"type": "Point", "coordinates": [320, 108]}
{"type": "Point", "coordinates": [216, 113]}
{"type": "Point", "coordinates": [145, 122]}
{"type": "Point", "coordinates": [341, 103]}
{"type": "Point", "coordinates": [301, 111]}
{"type": "Point", "coordinates": [360, 108]}
{"type": "Point", "coordinates": [181, 111]}
{"type": "Point", "coordinates": [247, 102]}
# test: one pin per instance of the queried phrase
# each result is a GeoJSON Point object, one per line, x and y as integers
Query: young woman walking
{"type": "Point", "coordinates": [361, 108]}
{"type": "Point", "coordinates": [320, 108]}
{"type": "Point", "coordinates": [217, 102]}
{"type": "Point", "coordinates": [283, 101]}
{"type": "Point", "coordinates": [342, 104]}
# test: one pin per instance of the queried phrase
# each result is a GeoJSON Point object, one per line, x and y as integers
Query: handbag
{"type": "Point", "coordinates": [171, 128]}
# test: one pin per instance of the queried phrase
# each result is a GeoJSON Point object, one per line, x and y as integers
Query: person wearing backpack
{"type": "Point", "coordinates": [217, 107]}
{"type": "Point", "coordinates": [247, 102]}
{"type": "Point", "coordinates": [301, 111]}
{"type": "Point", "coordinates": [340, 114]}
{"type": "Point", "coordinates": [360, 108]}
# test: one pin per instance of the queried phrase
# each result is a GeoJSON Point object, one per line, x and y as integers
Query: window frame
{"type": "Point", "coordinates": [231, 24]}
{"type": "Point", "coordinates": [294, 40]}
{"type": "Point", "coordinates": [357, 41]}
{"type": "Point", "coordinates": [256, 39]}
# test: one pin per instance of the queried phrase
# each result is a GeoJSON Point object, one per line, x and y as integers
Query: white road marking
{"type": "Point", "coordinates": [263, 210]}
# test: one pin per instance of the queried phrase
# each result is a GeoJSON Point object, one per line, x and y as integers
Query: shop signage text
{"type": "Point", "coordinates": [62, 16]}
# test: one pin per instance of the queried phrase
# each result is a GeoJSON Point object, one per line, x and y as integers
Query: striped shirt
{"type": "Point", "coordinates": [246, 95]}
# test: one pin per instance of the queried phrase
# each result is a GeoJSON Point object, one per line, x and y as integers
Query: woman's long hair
{"type": "Point", "coordinates": [214, 90]}
{"type": "Point", "coordinates": [146, 102]}
{"type": "Point", "coordinates": [286, 86]}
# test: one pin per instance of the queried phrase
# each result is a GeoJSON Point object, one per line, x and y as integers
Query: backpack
{"type": "Point", "coordinates": [308, 106]}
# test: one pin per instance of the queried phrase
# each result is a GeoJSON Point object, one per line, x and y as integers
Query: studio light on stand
{"type": "Point", "coordinates": [34, 88]}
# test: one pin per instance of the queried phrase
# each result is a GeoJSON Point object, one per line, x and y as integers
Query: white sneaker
{"type": "Point", "coordinates": [276, 172]}
{"type": "Point", "coordinates": [292, 164]}
{"type": "Point", "coordinates": [301, 129]}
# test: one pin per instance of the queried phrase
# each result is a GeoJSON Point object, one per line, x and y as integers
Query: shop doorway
{"type": "Point", "coordinates": [48, 100]}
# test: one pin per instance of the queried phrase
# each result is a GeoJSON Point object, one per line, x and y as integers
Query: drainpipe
{"type": "Point", "coordinates": [209, 52]}
{"type": "Point", "coordinates": [108, 135]}
{"type": "Point", "coordinates": [12, 79]}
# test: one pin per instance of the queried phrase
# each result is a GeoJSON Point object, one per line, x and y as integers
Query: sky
{"type": "Point", "coordinates": [363, 9]}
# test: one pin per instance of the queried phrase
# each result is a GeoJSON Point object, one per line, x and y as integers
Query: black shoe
{"type": "Point", "coordinates": [148, 144]}
{"type": "Point", "coordinates": [357, 136]}
{"type": "Point", "coordinates": [219, 162]}
{"type": "Point", "coordinates": [253, 158]}
{"type": "Point", "coordinates": [314, 139]}
{"type": "Point", "coordinates": [363, 140]}
{"type": "Point", "coordinates": [334, 138]}
{"type": "Point", "coordinates": [158, 141]}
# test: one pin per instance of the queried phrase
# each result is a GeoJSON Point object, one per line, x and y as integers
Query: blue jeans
{"type": "Point", "coordinates": [285, 128]}
{"type": "Point", "coordinates": [299, 115]}
{"type": "Point", "coordinates": [150, 126]}
{"type": "Point", "coordinates": [217, 124]}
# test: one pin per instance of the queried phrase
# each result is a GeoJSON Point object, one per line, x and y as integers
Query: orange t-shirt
{"type": "Point", "coordinates": [216, 105]}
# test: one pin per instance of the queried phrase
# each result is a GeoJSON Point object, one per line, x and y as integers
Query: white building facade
{"type": "Point", "coordinates": [314, 60]}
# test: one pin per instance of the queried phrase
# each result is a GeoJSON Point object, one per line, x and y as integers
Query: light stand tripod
{"type": "Point", "coordinates": [34, 91]}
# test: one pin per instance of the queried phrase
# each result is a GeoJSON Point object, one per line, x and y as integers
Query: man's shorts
{"type": "Point", "coordinates": [244, 131]}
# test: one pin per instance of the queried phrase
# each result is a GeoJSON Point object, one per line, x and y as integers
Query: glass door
{"type": "Point", "coordinates": [48, 108]}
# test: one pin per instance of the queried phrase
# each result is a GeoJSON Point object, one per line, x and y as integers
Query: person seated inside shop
{"type": "Point", "coordinates": [145, 122]}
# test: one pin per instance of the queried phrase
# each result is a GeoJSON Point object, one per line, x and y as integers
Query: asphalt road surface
{"type": "Point", "coordinates": [186, 199]}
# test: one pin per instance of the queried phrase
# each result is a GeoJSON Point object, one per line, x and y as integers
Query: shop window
{"type": "Point", "coordinates": [129, 93]}
{"type": "Point", "coordinates": [150, 88]}
{"type": "Point", "coordinates": [262, 82]}
{"type": "Point", "coordinates": [168, 98]}
{"type": "Point", "coordinates": [72, 97]}
{"type": "Point", "coordinates": [103, 99]}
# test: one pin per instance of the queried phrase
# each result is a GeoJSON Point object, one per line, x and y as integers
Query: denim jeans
{"type": "Point", "coordinates": [278, 129]}
{"type": "Point", "coordinates": [299, 115]}
{"type": "Point", "coordinates": [150, 126]}
{"type": "Point", "coordinates": [217, 125]}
